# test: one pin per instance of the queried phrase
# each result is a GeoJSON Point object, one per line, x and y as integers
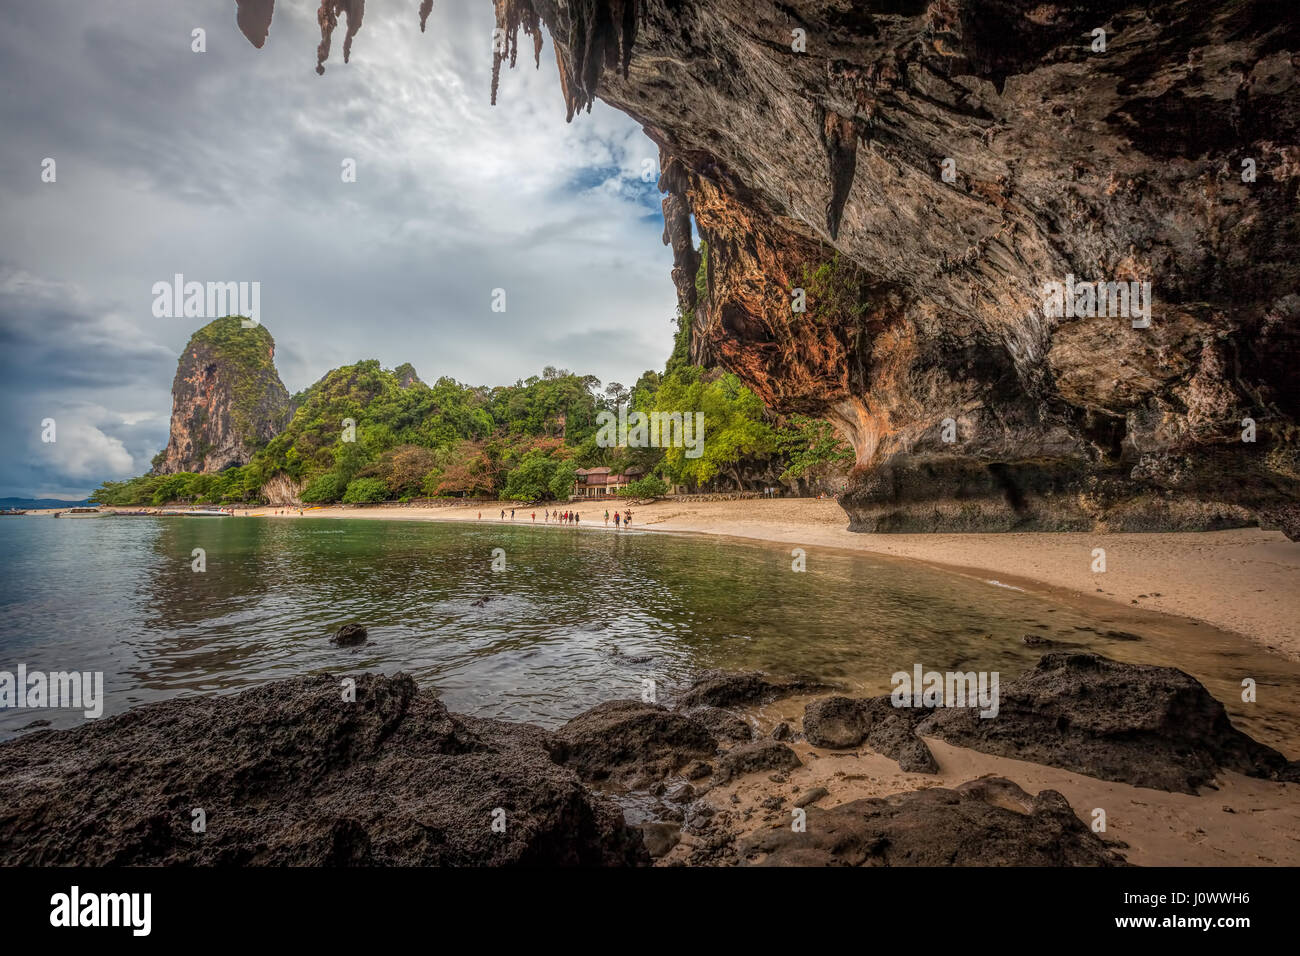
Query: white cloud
{"type": "Point", "coordinates": [82, 452]}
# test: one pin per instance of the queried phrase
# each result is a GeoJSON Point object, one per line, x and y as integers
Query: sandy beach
{"type": "Point", "coordinates": [1246, 581]}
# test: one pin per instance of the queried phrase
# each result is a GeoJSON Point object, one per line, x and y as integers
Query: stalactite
{"type": "Point", "coordinates": [601, 34]}
{"type": "Point", "coordinates": [511, 15]}
{"type": "Point", "coordinates": [254, 19]}
{"type": "Point", "coordinates": [328, 18]}
{"type": "Point", "coordinates": [673, 182]}
{"type": "Point", "coordinates": [840, 137]}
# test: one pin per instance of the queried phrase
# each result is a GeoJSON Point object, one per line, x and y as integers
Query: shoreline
{"type": "Point", "coordinates": [1245, 581]}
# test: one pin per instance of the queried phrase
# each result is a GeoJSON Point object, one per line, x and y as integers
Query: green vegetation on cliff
{"type": "Point", "coordinates": [363, 433]}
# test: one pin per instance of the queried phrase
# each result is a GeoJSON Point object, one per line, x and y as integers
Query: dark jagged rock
{"type": "Point", "coordinates": [349, 635]}
{"type": "Point", "coordinates": [718, 688]}
{"type": "Point", "coordinates": [629, 742]}
{"type": "Point", "coordinates": [1133, 723]}
{"type": "Point", "coordinates": [987, 822]}
{"type": "Point", "coordinates": [842, 722]}
{"type": "Point", "coordinates": [227, 399]}
{"type": "Point", "coordinates": [291, 773]}
{"type": "Point", "coordinates": [725, 726]}
{"type": "Point", "coordinates": [754, 756]}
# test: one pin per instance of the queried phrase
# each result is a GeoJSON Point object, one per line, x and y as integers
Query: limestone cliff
{"type": "Point", "coordinates": [923, 171]}
{"type": "Point", "coordinates": [227, 398]}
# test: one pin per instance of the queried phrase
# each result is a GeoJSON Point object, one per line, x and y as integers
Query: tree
{"type": "Point", "coordinates": [812, 448]}
{"type": "Point", "coordinates": [566, 473]}
{"type": "Point", "coordinates": [363, 490]}
{"type": "Point", "coordinates": [325, 488]}
{"type": "Point", "coordinates": [650, 486]}
{"type": "Point", "coordinates": [531, 480]}
{"type": "Point", "coordinates": [403, 468]}
{"type": "Point", "coordinates": [733, 426]}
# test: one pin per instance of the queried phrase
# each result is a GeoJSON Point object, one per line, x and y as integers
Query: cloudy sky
{"type": "Point", "coordinates": [226, 166]}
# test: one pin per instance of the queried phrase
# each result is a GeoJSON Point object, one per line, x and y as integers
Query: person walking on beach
{"type": "Point", "coordinates": [616, 520]}
{"type": "Point", "coordinates": [512, 514]}
{"type": "Point", "coordinates": [546, 515]}
{"type": "Point", "coordinates": [576, 517]}
{"type": "Point", "coordinates": [606, 517]}
{"type": "Point", "coordinates": [534, 517]}
{"type": "Point", "coordinates": [627, 518]}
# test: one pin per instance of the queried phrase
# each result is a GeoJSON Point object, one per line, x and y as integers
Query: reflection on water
{"type": "Point", "coordinates": [577, 617]}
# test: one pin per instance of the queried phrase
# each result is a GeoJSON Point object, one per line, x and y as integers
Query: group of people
{"type": "Point", "coordinates": [623, 518]}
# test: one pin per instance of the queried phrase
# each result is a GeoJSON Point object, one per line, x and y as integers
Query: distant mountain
{"type": "Point", "coordinates": [42, 503]}
{"type": "Point", "coordinates": [227, 399]}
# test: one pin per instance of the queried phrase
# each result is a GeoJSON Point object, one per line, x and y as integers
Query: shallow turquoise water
{"type": "Point", "coordinates": [577, 617]}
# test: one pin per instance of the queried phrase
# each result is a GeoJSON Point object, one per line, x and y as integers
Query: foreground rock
{"type": "Point", "coordinates": [349, 635]}
{"type": "Point", "coordinates": [1132, 723]}
{"type": "Point", "coordinates": [289, 773]}
{"type": "Point", "coordinates": [756, 756]}
{"type": "Point", "coordinates": [987, 822]}
{"type": "Point", "coordinates": [630, 743]}
{"type": "Point", "coordinates": [742, 689]}
{"type": "Point", "coordinates": [840, 722]}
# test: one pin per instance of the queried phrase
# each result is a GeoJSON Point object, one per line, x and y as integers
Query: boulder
{"type": "Point", "coordinates": [627, 741]}
{"type": "Point", "coordinates": [724, 725]}
{"type": "Point", "coordinates": [987, 822]}
{"type": "Point", "coordinates": [842, 722]}
{"type": "Point", "coordinates": [1133, 723]}
{"type": "Point", "coordinates": [718, 688]}
{"type": "Point", "coordinates": [349, 635]}
{"type": "Point", "coordinates": [766, 754]}
{"type": "Point", "coordinates": [290, 773]}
